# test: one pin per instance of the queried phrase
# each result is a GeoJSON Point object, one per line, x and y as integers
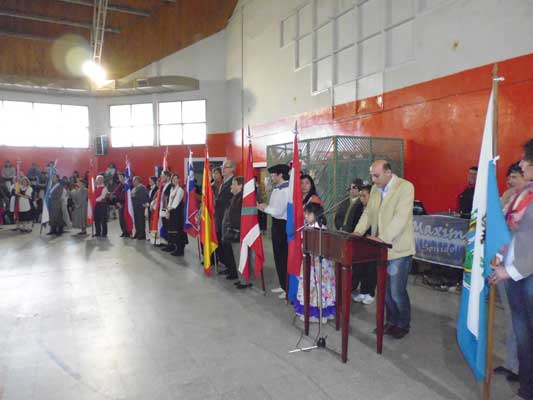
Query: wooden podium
{"type": "Point", "coordinates": [346, 251]}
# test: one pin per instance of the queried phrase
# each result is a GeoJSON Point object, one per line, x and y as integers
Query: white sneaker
{"type": "Point", "coordinates": [277, 290]}
{"type": "Point", "coordinates": [358, 298]}
{"type": "Point", "coordinates": [281, 295]}
{"type": "Point", "coordinates": [368, 299]}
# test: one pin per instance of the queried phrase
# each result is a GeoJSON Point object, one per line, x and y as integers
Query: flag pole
{"type": "Point", "coordinates": [492, 290]}
{"type": "Point", "coordinates": [249, 136]}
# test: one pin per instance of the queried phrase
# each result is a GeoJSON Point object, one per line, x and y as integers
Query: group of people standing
{"type": "Point", "coordinates": [383, 212]}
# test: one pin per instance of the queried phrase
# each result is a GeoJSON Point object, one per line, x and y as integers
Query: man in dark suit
{"type": "Point", "coordinates": [139, 199]}
{"type": "Point", "coordinates": [221, 203]}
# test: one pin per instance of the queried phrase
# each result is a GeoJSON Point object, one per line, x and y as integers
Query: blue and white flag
{"type": "Point", "coordinates": [484, 241]}
{"type": "Point", "coordinates": [45, 216]}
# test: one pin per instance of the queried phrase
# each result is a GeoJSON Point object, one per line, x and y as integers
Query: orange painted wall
{"type": "Point", "coordinates": [441, 122]}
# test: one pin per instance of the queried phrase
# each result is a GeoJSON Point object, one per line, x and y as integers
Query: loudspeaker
{"type": "Point", "coordinates": [102, 145]}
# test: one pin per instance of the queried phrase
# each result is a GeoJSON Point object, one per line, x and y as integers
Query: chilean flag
{"type": "Point", "coordinates": [191, 205]}
{"type": "Point", "coordinates": [128, 205]}
{"type": "Point", "coordinates": [295, 220]}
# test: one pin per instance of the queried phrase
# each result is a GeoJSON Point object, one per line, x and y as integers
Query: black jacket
{"type": "Point", "coordinates": [231, 222]}
{"type": "Point", "coordinates": [354, 213]}
{"type": "Point", "coordinates": [222, 202]}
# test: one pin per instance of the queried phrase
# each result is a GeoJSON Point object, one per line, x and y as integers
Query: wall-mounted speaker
{"type": "Point", "coordinates": [102, 145]}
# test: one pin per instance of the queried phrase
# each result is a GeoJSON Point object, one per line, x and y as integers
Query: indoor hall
{"type": "Point", "coordinates": [225, 199]}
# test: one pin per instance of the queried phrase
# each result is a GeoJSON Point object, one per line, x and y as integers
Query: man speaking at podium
{"type": "Point", "coordinates": [389, 214]}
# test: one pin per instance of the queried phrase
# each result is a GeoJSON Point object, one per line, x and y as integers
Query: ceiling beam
{"type": "Point", "coordinates": [51, 20]}
{"type": "Point", "coordinates": [28, 36]}
{"type": "Point", "coordinates": [110, 7]}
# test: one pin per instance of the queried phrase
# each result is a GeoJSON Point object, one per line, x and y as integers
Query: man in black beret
{"type": "Point", "coordinates": [277, 208]}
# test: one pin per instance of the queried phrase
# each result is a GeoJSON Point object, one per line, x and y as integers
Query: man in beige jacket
{"type": "Point", "coordinates": [389, 214]}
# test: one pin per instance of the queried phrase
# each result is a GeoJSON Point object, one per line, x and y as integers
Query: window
{"type": "Point", "coordinates": [43, 125]}
{"type": "Point", "coordinates": [182, 122]}
{"type": "Point", "coordinates": [132, 125]}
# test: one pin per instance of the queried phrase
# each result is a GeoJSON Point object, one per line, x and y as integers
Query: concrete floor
{"type": "Point", "coordinates": [119, 319]}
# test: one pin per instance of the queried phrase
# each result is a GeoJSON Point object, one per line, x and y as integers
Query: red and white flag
{"type": "Point", "coordinates": [250, 232]}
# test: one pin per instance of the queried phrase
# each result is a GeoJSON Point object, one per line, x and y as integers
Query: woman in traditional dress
{"type": "Point", "coordinates": [314, 217]}
{"type": "Point", "coordinates": [23, 197]}
{"type": "Point", "coordinates": [79, 214]}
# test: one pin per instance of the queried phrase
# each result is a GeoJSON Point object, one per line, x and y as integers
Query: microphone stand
{"type": "Point", "coordinates": [320, 340]}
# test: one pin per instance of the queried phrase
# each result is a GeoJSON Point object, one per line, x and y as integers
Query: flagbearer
{"type": "Point", "coordinates": [277, 208]}
{"type": "Point", "coordinates": [515, 267]}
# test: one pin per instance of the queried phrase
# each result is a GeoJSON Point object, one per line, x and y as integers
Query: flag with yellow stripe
{"type": "Point", "coordinates": [208, 235]}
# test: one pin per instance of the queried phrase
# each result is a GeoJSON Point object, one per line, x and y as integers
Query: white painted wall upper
{"type": "Point", "coordinates": [204, 60]}
{"type": "Point", "coordinates": [302, 55]}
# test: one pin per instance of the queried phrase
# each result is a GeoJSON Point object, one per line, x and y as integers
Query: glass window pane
{"type": "Point", "coordinates": [75, 116]}
{"type": "Point", "coordinates": [170, 134]}
{"type": "Point", "coordinates": [75, 137]}
{"type": "Point", "coordinates": [194, 133]}
{"type": "Point", "coordinates": [121, 137]}
{"type": "Point", "coordinates": [120, 115]}
{"type": "Point", "coordinates": [142, 114]}
{"type": "Point", "coordinates": [170, 113]}
{"type": "Point", "coordinates": [194, 111]}
{"type": "Point", "coordinates": [17, 117]}
{"type": "Point", "coordinates": [142, 135]}
{"type": "Point", "coordinates": [47, 119]}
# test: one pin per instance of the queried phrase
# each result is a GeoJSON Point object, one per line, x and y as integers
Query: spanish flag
{"type": "Point", "coordinates": [208, 235]}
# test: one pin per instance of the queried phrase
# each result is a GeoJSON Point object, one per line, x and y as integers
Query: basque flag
{"type": "Point", "coordinates": [250, 232]}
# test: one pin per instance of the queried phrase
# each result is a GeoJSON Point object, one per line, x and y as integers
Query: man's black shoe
{"type": "Point", "coordinates": [398, 333]}
{"type": "Point", "coordinates": [387, 329]}
{"type": "Point", "coordinates": [244, 286]}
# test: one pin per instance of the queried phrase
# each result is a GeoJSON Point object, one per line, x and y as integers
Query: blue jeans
{"type": "Point", "coordinates": [520, 294]}
{"type": "Point", "coordinates": [397, 301]}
